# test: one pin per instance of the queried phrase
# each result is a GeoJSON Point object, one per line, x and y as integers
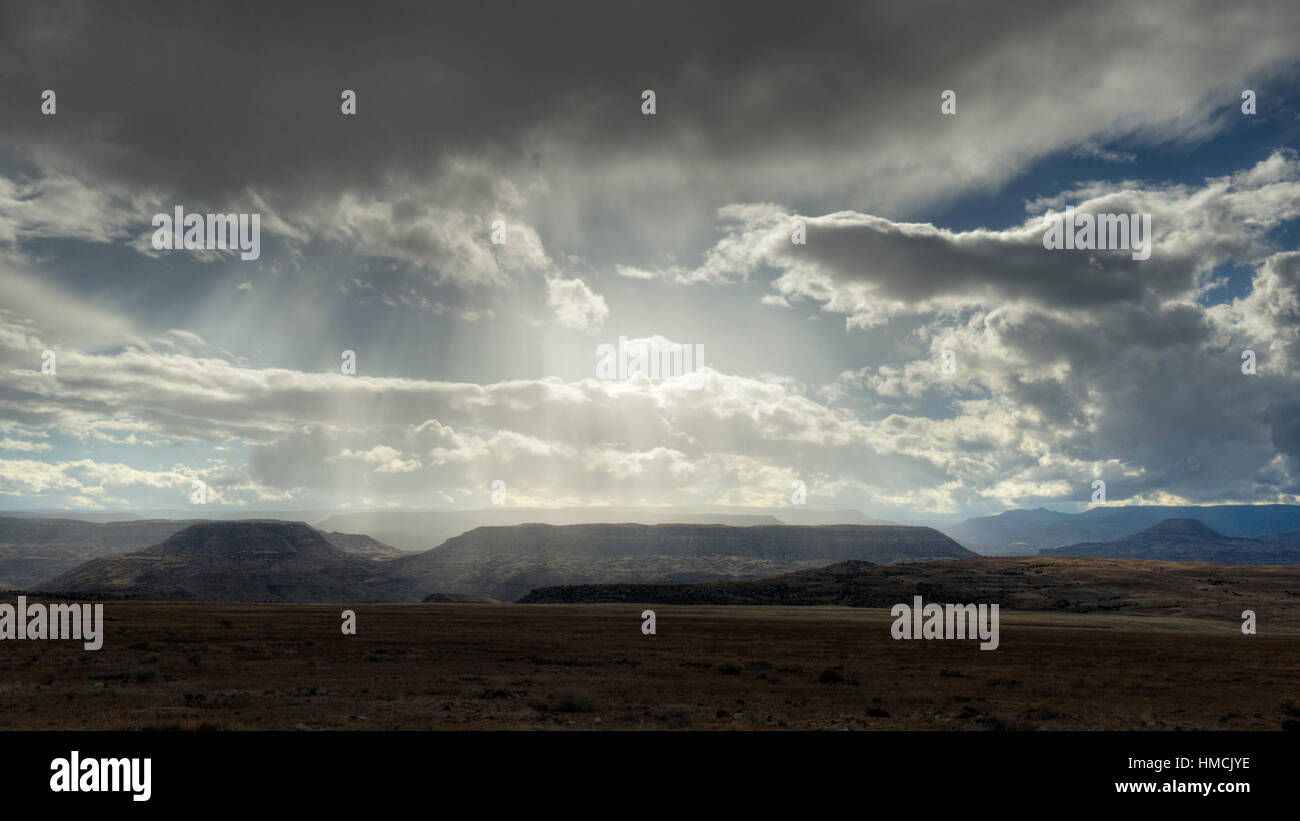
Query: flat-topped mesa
{"type": "Point", "coordinates": [507, 562]}
{"type": "Point", "coordinates": [418, 530]}
{"type": "Point", "coordinates": [248, 536]}
{"type": "Point", "coordinates": [263, 561]}
{"type": "Point", "coordinates": [880, 544]}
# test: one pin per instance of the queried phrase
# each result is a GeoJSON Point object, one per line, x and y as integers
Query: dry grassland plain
{"type": "Point", "coordinates": [167, 665]}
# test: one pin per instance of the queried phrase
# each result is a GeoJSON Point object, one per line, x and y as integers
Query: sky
{"type": "Point", "coordinates": [477, 362]}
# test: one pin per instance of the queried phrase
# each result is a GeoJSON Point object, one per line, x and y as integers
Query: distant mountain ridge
{"type": "Point", "coordinates": [1184, 540]}
{"type": "Point", "coordinates": [1025, 532]}
{"type": "Point", "coordinates": [78, 515]}
{"type": "Point", "coordinates": [33, 548]}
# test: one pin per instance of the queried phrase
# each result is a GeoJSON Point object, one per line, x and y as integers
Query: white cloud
{"type": "Point", "coordinates": [576, 305]}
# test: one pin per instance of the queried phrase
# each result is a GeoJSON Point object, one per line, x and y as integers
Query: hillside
{"type": "Point", "coordinates": [507, 562]}
{"type": "Point", "coordinates": [238, 561]}
{"type": "Point", "coordinates": [1185, 540]}
{"type": "Point", "coordinates": [1030, 584]}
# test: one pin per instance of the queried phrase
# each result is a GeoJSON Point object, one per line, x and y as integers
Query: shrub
{"type": "Point", "coordinates": [573, 701]}
{"type": "Point", "coordinates": [675, 716]}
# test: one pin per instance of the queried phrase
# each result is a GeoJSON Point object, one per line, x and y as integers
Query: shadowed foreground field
{"type": "Point", "coordinates": [477, 666]}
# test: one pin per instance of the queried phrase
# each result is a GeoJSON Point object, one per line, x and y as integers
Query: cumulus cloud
{"type": "Point", "coordinates": [576, 305]}
{"type": "Point", "coordinates": [871, 268]}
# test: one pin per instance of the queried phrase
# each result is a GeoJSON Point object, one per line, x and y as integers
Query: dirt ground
{"type": "Point", "coordinates": [475, 666]}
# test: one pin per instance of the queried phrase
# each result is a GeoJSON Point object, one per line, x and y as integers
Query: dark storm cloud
{"type": "Point", "coordinates": [756, 101]}
{"type": "Point", "coordinates": [917, 265]}
{"type": "Point", "coordinates": [211, 98]}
